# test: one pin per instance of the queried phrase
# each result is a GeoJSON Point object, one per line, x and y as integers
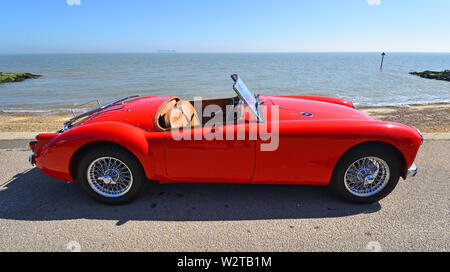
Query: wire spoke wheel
{"type": "Point", "coordinates": [109, 177]}
{"type": "Point", "coordinates": [367, 176]}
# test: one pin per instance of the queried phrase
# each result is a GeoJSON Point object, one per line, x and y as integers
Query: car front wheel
{"type": "Point", "coordinates": [110, 175]}
{"type": "Point", "coordinates": [366, 174]}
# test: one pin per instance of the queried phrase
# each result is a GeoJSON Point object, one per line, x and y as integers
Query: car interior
{"type": "Point", "coordinates": [178, 113]}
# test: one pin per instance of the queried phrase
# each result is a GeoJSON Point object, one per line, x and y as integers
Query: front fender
{"type": "Point", "coordinates": [309, 150]}
{"type": "Point", "coordinates": [333, 100]}
{"type": "Point", "coordinates": [405, 138]}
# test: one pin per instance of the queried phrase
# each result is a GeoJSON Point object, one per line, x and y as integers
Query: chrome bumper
{"type": "Point", "coordinates": [412, 171]}
{"type": "Point", "coordinates": [31, 159]}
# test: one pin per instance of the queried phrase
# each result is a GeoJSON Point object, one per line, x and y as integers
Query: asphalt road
{"type": "Point", "coordinates": [38, 213]}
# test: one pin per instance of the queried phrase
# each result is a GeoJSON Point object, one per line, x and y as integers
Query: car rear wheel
{"type": "Point", "coordinates": [366, 174]}
{"type": "Point", "coordinates": [110, 175]}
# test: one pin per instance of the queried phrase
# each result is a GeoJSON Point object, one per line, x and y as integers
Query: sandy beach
{"type": "Point", "coordinates": [27, 122]}
{"type": "Point", "coordinates": [432, 118]}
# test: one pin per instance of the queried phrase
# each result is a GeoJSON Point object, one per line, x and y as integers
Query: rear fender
{"type": "Point", "coordinates": [54, 157]}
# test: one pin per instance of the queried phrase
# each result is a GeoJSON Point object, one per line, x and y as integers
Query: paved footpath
{"type": "Point", "coordinates": [38, 213]}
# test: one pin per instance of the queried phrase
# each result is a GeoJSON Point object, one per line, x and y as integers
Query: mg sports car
{"type": "Point", "coordinates": [114, 149]}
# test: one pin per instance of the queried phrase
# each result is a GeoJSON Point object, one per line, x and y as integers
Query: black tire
{"type": "Point", "coordinates": [134, 166]}
{"type": "Point", "coordinates": [368, 150]}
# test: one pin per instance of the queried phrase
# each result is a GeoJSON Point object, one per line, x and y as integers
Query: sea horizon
{"type": "Point", "coordinates": [69, 79]}
{"type": "Point", "coordinates": [225, 52]}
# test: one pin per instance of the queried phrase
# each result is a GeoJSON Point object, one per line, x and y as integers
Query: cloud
{"type": "Point", "coordinates": [78, 2]}
{"type": "Point", "coordinates": [373, 2]}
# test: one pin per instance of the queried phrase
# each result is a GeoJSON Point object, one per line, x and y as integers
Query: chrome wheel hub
{"type": "Point", "coordinates": [109, 177]}
{"type": "Point", "coordinates": [369, 179]}
{"type": "Point", "coordinates": [367, 176]}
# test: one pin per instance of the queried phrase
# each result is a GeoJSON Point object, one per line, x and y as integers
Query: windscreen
{"type": "Point", "coordinates": [248, 97]}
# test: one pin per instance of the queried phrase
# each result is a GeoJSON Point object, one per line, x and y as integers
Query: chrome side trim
{"type": "Point", "coordinates": [412, 171]}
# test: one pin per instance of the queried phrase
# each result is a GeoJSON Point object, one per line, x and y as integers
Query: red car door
{"type": "Point", "coordinates": [202, 159]}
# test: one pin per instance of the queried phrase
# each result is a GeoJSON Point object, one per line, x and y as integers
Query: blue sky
{"type": "Point", "coordinates": [107, 26]}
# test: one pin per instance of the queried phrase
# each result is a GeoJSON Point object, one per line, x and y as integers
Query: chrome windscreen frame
{"type": "Point", "coordinates": [96, 110]}
{"type": "Point", "coordinates": [252, 101]}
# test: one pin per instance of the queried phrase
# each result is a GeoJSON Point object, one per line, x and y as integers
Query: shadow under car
{"type": "Point", "coordinates": [33, 196]}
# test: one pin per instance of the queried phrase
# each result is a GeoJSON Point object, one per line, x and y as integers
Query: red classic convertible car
{"type": "Point", "coordinates": [114, 149]}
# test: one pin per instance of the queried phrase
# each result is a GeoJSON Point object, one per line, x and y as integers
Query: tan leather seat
{"type": "Point", "coordinates": [176, 114]}
{"type": "Point", "coordinates": [176, 118]}
{"type": "Point", "coordinates": [168, 107]}
{"type": "Point", "coordinates": [189, 111]}
{"type": "Point", "coordinates": [183, 114]}
{"type": "Point", "coordinates": [162, 118]}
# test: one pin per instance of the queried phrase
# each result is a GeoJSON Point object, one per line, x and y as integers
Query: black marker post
{"type": "Point", "coordinates": [382, 60]}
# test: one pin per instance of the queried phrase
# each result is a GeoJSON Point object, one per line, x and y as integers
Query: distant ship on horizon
{"type": "Point", "coordinates": [167, 51]}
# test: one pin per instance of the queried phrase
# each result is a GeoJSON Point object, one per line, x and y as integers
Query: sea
{"type": "Point", "coordinates": [71, 79]}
